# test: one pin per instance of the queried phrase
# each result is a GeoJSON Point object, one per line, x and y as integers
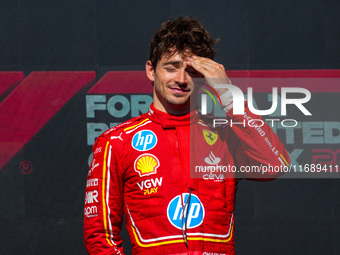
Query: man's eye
{"type": "Point", "coordinates": [192, 72]}
{"type": "Point", "coordinates": [171, 69]}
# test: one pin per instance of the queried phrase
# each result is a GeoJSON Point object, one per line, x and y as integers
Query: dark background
{"type": "Point", "coordinates": [114, 35]}
{"type": "Point", "coordinates": [41, 213]}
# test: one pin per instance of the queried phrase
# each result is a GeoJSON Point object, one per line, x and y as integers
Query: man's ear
{"type": "Point", "coordinates": [150, 71]}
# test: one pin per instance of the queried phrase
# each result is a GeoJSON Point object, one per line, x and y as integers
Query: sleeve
{"type": "Point", "coordinates": [258, 152]}
{"type": "Point", "coordinates": [103, 210]}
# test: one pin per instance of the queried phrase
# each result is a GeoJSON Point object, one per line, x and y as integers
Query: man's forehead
{"type": "Point", "coordinates": [175, 57]}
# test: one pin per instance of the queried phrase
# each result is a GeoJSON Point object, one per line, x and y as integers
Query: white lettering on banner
{"type": "Point", "coordinates": [94, 130]}
{"type": "Point", "coordinates": [312, 132]}
{"type": "Point", "coordinates": [293, 155]}
{"type": "Point", "coordinates": [124, 106]}
{"type": "Point", "coordinates": [91, 197]}
{"type": "Point", "coordinates": [289, 131]}
{"type": "Point", "coordinates": [136, 105]}
{"type": "Point", "coordinates": [140, 104]}
{"type": "Point", "coordinates": [117, 106]}
{"type": "Point", "coordinates": [94, 103]}
{"type": "Point", "coordinates": [91, 211]}
{"type": "Point", "coordinates": [92, 182]}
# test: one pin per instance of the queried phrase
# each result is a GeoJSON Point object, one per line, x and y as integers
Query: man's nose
{"type": "Point", "coordinates": [182, 77]}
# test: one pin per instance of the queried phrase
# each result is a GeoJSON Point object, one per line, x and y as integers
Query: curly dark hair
{"type": "Point", "coordinates": [181, 35]}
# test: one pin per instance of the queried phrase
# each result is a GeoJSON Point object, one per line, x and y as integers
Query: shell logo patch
{"type": "Point", "coordinates": [146, 164]}
{"type": "Point", "coordinates": [210, 136]}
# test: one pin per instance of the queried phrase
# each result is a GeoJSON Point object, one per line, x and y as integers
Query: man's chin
{"type": "Point", "coordinates": [181, 105]}
{"type": "Point", "coordinates": [179, 102]}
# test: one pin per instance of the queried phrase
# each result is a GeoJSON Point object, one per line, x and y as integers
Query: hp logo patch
{"type": "Point", "coordinates": [144, 140]}
{"type": "Point", "coordinates": [195, 212]}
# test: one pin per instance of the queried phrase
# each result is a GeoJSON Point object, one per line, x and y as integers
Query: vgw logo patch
{"type": "Point", "coordinates": [195, 212]}
{"type": "Point", "coordinates": [144, 140]}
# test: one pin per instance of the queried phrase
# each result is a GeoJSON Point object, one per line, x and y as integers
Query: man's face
{"type": "Point", "coordinates": [172, 87]}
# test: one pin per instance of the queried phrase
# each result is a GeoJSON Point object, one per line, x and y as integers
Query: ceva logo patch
{"type": "Point", "coordinates": [195, 212]}
{"type": "Point", "coordinates": [146, 164]}
{"type": "Point", "coordinates": [144, 140]}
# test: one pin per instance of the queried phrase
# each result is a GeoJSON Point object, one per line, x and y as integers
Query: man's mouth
{"type": "Point", "coordinates": [180, 90]}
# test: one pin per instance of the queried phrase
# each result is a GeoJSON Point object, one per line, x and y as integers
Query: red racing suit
{"type": "Point", "coordinates": [142, 168]}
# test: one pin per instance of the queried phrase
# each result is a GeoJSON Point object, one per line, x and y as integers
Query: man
{"type": "Point", "coordinates": [142, 167]}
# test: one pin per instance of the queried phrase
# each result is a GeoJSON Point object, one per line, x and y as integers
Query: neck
{"type": "Point", "coordinates": [177, 110]}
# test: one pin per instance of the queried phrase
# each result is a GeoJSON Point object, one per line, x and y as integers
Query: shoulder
{"type": "Point", "coordinates": [213, 127]}
{"type": "Point", "coordinates": [126, 129]}
{"type": "Point", "coordinates": [213, 122]}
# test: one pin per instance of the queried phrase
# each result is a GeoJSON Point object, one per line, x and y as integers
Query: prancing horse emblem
{"type": "Point", "coordinates": [210, 136]}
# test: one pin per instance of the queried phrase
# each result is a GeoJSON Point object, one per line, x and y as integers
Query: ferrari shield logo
{"type": "Point", "coordinates": [210, 136]}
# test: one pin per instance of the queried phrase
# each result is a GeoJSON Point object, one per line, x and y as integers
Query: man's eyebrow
{"type": "Point", "coordinates": [173, 63]}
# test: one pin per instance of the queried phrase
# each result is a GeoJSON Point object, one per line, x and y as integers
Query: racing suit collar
{"type": "Point", "coordinates": [168, 121]}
